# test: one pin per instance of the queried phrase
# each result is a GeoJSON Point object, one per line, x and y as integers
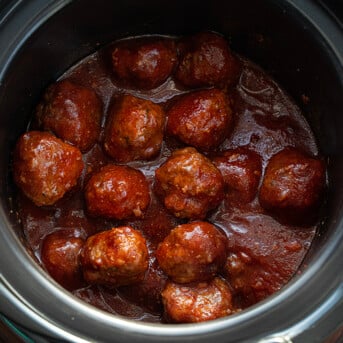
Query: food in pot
{"type": "Point", "coordinates": [115, 257]}
{"type": "Point", "coordinates": [189, 184]}
{"type": "Point", "coordinates": [134, 130]}
{"type": "Point", "coordinates": [241, 169]}
{"type": "Point", "coordinates": [45, 167]}
{"type": "Point", "coordinates": [72, 112]}
{"type": "Point", "coordinates": [197, 302]}
{"type": "Point", "coordinates": [293, 185]}
{"type": "Point", "coordinates": [143, 63]}
{"type": "Point", "coordinates": [147, 293]}
{"type": "Point", "coordinates": [60, 255]}
{"type": "Point", "coordinates": [179, 215]}
{"type": "Point", "coordinates": [192, 252]}
{"type": "Point", "coordinates": [206, 60]}
{"type": "Point", "coordinates": [201, 119]}
{"type": "Point", "coordinates": [118, 192]}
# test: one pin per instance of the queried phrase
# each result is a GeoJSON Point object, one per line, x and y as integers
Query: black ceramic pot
{"type": "Point", "coordinates": [302, 48]}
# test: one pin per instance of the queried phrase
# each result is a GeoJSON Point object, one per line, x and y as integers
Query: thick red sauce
{"type": "Point", "coordinates": [264, 254]}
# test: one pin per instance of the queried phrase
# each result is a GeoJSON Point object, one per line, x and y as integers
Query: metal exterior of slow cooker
{"type": "Point", "coordinates": [309, 309]}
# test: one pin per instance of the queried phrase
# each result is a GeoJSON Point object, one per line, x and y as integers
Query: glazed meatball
{"type": "Point", "coordinates": [117, 192]}
{"type": "Point", "coordinates": [197, 302]}
{"type": "Point", "coordinates": [134, 130]}
{"type": "Point", "coordinates": [201, 119]}
{"type": "Point", "coordinates": [147, 293]}
{"type": "Point", "coordinates": [60, 256]}
{"type": "Point", "coordinates": [206, 60]}
{"type": "Point", "coordinates": [189, 184]}
{"type": "Point", "coordinates": [115, 257]}
{"type": "Point", "coordinates": [292, 186]}
{"type": "Point", "coordinates": [255, 278]}
{"type": "Point", "coordinates": [241, 169]}
{"type": "Point", "coordinates": [72, 112]}
{"type": "Point", "coordinates": [143, 63]}
{"type": "Point", "coordinates": [44, 167]}
{"type": "Point", "coordinates": [192, 252]}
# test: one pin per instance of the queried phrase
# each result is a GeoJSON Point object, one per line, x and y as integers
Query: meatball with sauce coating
{"type": "Point", "coordinates": [189, 184]}
{"type": "Point", "coordinates": [134, 130]}
{"type": "Point", "coordinates": [143, 63]}
{"type": "Point", "coordinates": [293, 185]}
{"type": "Point", "coordinates": [115, 257]}
{"type": "Point", "coordinates": [147, 293]}
{"type": "Point", "coordinates": [241, 169]}
{"type": "Point", "coordinates": [206, 60]}
{"type": "Point", "coordinates": [44, 167]}
{"type": "Point", "coordinates": [72, 112]}
{"type": "Point", "coordinates": [201, 119]}
{"type": "Point", "coordinates": [192, 252]}
{"type": "Point", "coordinates": [197, 302]}
{"type": "Point", "coordinates": [117, 192]}
{"type": "Point", "coordinates": [60, 256]}
{"type": "Point", "coordinates": [255, 278]}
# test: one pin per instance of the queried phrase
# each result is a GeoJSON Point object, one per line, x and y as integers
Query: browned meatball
{"type": "Point", "coordinates": [292, 186]}
{"type": "Point", "coordinates": [143, 63]}
{"type": "Point", "coordinates": [197, 302]}
{"type": "Point", "coordinates": [117, 192]}
{"type": "Point", "coordinates": [44, 167]}
{"type": "Point", "coordinates": [201, 119]}
{"type": "Point", "coordinates": [192, 252]}
{"type": "Point", "coordinates": [72, 112]}
{"type": "Point", "coordinates": [60, 256]}
{"type": "Point", "coordinates": [115, 257]}
{"type": "Point", "coordinates": [255, 278]}
{"type": "Point", "coordinates": [241, 169]}
{"type": "Point", "coordinates": [189, 184]}
{"type": "Point", "coordinates": [134, 130]}
{"type": "Point", "coordinates": [147, 293]}
{"type": "Point", "coordinates": [206, 60]}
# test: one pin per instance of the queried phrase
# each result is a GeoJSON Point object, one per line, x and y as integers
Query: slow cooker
{"type": "Point", "coordinates": [302, 48]}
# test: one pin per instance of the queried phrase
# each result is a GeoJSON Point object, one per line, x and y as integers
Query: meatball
{"type": "Point", "coordinates": [201, 119]}
{"type": "Point", "coordinates": [206, 60]}
{"type": "Point", "coordinates": [292, 186]}
{"type": "Point", "coordinates": [192, 252]}
{"type": "Point", "coordinates": [197, 302]}
{"type": "Point", "coordinates": [44, 167]}
{"type": "Point", "coordinates": [117, 192]}
{"type": "Point", "coordinates": [241, 169]}
{"type": "Point", "coordinates": [60, 256]}
{"type": "Point", "coordinates": [134, 130]}
{"type": "Point", "coordinates": [255, 278]}
{"type": "Point", "coordinates": [115, 257]}
{"type": "Point", "coordinates": [72, 112]}
{"type": "Point", "coordinates": [143, 63]}
{"type": "Point", "coordinates": [147, 293]}
{"type": "Point", "coordinates": [189, 184]}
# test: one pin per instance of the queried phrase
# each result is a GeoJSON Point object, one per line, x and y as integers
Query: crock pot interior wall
{"type": "Point", "coordinates": [270, 33]}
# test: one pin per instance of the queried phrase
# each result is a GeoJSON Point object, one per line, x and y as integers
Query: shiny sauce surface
{"type": "Point", "coordinates": [263, 253]}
